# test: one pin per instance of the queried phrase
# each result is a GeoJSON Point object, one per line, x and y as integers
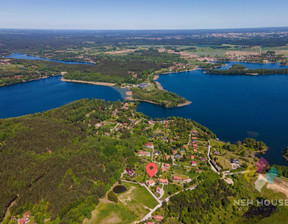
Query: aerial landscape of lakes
{"type": "Point", "coordinates": [233, 107]}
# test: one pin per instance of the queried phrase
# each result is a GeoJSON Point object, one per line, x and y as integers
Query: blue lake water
{"type": "Point", "coordinates": [45, 94]}
{"type": "Point", "coordinates": [255, 65]}
{"type": "Point", "coordinates": [233, 107]}
{"type": "Point", "coordinates": [28, 57]}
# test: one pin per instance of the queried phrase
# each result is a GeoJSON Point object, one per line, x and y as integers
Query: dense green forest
{"type": "Point", "coordinates": [237, 70]}
{"type": "Point", "coordinates": [217, 205]}
{"type": "Point", "coordinates": [53, 157]}
{"type": "Point", "coordinates": [160, 97]}
{"type": "Point", "coordinates": [43, 41]}
{"type": "Point", "coordinates": [107, 68]}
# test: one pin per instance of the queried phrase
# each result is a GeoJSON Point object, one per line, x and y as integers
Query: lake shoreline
{"type": "Point", "coordinates": [89, 82]}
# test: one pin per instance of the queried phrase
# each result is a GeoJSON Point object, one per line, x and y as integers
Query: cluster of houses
{"type": "Point", "coordinates": [24, 220]}
{"type": "Point", "coordinates": [177, 66]}
{"type": "Point", "coordinates": [5, 61]}
{"type": "Point", "coordinates": [145, 153]}
{"type": "Point", "coordinates": [194, 146]}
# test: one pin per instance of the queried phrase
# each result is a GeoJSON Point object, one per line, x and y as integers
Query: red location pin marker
{"type": "Point", "coordinates": [151, 169]}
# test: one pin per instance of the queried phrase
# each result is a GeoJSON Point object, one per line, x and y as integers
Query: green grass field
{"type": "Point", "coordinates": [111, 213]}
{"type": "Point", "coordinates": [133, 205]}
{"type": "Point", "coordinates": [137, 199]}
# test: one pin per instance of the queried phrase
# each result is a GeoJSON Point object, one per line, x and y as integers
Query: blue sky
{"type": "Point", "coordinates": [145, 14]}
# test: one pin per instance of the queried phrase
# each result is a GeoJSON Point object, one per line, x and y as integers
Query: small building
{"type": "Point", "coordinates": [177, 178]}
{"type": "Point", "coordinates": [158, 189]}
{"type": "Point", "coordinates": [163, 181]}
{"type": "Point", "coordinates": [143, 153]}
{"type": "Point", "coordinates": [168, 157]}
{"type": "Point", "coordinates": [149, 146]}
{"type": "Point", "coordinates": [167, 165]}
{"type": "Point", "coordinates": [235, 161]}
{"type": "Point", "coordinates": [157, 153]}
{"type": "Point", "coordinates": [151, 122]}
{"type": "Point", "coordinates": [193, 163]}
{"type": "Point", "coordinates": [178, 157]}
{"type": "Point", "coordinates": [158, 217]}
{"type": "Point", "coordinates": [150, 183]}
{"type": "Point", "coordinates": [143, 85]}
{"type": "Point", "coordinates": [130, 172]}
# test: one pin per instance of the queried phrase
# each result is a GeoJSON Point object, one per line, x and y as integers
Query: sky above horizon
{"type": "Point", "coordinates": [145, 14]}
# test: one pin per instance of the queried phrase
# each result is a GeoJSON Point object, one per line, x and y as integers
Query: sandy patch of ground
{"type": "Point", "coordinates": [241, 53]}
{"type": "Point", "coordinates": [159, 86]}
{"type": "Point", "coordinates": [129, 93]}
{"type": "Point", "coordinates": [121, 52]}
{"type": "Point", "coordinates": [88, 82]}
{"type": "Point", "coordinates": [184, 54]}
{"type": "Point", "coordinates": [279, 186]}
{"type": "Point", "coordinates": [284, 52]}
{"type": "Point", "coordinates": [126, 196]}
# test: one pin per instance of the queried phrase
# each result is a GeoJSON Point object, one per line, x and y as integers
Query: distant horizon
{"type": "Point", "coordinates": [156, 29]}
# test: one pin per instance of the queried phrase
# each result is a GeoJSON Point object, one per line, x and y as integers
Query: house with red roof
{"type": "Point", "coordinates": [151, 122]}
{"type": "Point", "coordinates": [163, 181]}
{"type": "Point", "coordinates": [167, 165]}
{"type": "Point", "coordinates": [21, 221]}
{"type": "Point", "coordinates": [193, 163]}
{"type": "Point", "coordinates": [149, 145]}
{"type": "Point", "coordinates": [177, 178]}
{"type": "Point", "coordinates": [143, 153]}
{"type": "Point", "coordinates": [167, 157]}
{"type": "Point", "coordinates": [150, 183]}
{"type": "Point", "coordinates": [158, 217]}
{"type": "Point", "coordinates": [130, 172]}
{"type": "Point", "coordinates": [158, 189]}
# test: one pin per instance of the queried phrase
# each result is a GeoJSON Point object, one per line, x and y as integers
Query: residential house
{"type": "Point", "coordinates": [150, 183]}
{"type": "Point", "coordinates": [151, 122]}
{"type": "Point", "coordinates": [143, 153]}
{"type": "Point", "coordinates": [130, 172]}
{"type": "Point", "coordinates": [178, 157]}
{"type": "Point", "coordinates": [193, 163]}
{"type": "Point", "coordinates": [158, 217]}
{"type": "Point", "coordinates": [167, 165]}
{"type": "Point", "coordinates": [177, 178]}
{"type": "Point", "coordinates": [163, 181]}
{"type": "Point", "coordinates": [158, 189]}
{"type": "Point", "coordinates": [149, 146]}
{"type": "Point", "coordinates": [143, 85]}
